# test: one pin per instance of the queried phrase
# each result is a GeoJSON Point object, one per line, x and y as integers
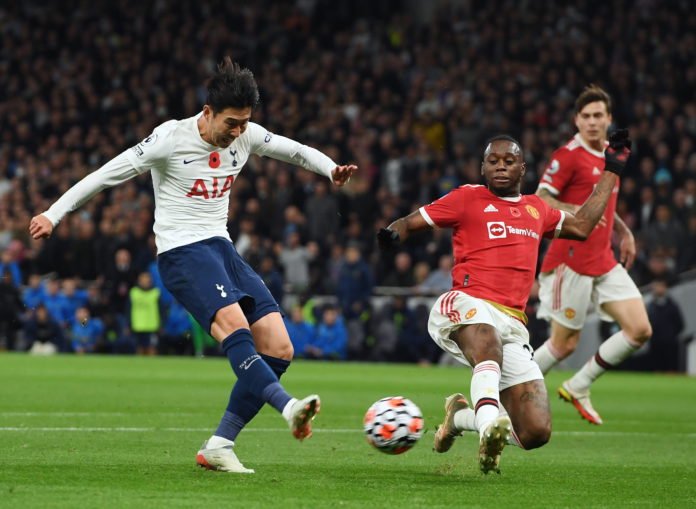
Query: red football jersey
{"type": "Point", "coordinates": [495, 241]}
{"type": "Point", "coordinates": [571, 176]}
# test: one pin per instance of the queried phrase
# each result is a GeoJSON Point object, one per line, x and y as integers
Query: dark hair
{"type": "Point", "coordinates": [592, 93]}
{"type": "Point", "coordinates": [503, 137]}
{"type": "Point", "coordinates": [232, 87]}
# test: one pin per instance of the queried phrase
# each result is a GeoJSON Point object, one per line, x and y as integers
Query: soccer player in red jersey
{"type": "Point", "coordinates": [481, 320]}
{"type": "Point", "coordinates": [573, 274]}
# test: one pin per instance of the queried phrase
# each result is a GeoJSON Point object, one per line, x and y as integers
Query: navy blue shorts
{"type": "Point", "coordinates": [208, 275]}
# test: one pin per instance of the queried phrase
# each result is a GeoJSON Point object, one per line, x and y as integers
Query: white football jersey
{"type": "Point", "coordinates": [191, 178]}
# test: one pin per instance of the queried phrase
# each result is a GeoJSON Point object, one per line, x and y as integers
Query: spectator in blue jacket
{"type": "Point", "coordinates": [8, 263]}
{"type": "Point", "coordinates": [56, 303]}
{"type": "Point", "coordinates": [300, 330]}
{"type": "Point", "coordinates": [177, 333]}
{"type": "Point", "coordinates": [34, 293]}
{"type": "Point", "coordinates": [85, 332]}
{"type": "Point", "coordinates": [331, 341]}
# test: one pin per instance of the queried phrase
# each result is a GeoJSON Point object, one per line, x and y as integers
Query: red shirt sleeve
{"type": "Point", "coordinates": [552, 219]}
{"type": "Point", "coordinates": [558, 172]}
{"type": "Point", "coordinates": [446, 212]}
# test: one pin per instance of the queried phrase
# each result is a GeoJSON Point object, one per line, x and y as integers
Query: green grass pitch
{"type": "Point", "coordinates": [98, 431]}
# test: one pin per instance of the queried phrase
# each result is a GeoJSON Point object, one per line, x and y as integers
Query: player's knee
{"type": "Point", "coordinates": [566, 345]}
{"type": "Point", "coordinates": [280, 349]}
{"type": "Point", "coordinates": [230, 319]}
{"type": "Point", "coordinates": [536, 435]}
{"type": "Point", "coordinates": [641, 333]}
{"type": "Point", "coordinates": [286, 351]}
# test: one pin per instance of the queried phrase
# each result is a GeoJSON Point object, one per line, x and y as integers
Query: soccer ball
{"type": "Point", "coordinates": [393, 425]}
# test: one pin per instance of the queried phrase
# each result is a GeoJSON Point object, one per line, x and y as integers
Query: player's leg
{"type": "Point", "coordinates": [618, 299]}
{"type": "Point", "coordinates": [199, 278]}
{"type": "Point", "coordinates": [562, 342]}
{"type": "Point", "coordinates": [462, 326]}
{"type": "Point", "coordinates": [528, 406]}
{"type": "Point", "coordinates": [635, 331]}
{"type": "Point", "coordinates": [564, 297]}
{"type": "Point", "coordinates": [273, 343]}
{"type": "Point", "coordinates": [482, 347]}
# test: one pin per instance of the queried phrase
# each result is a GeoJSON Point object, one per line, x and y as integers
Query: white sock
{"type": "Point", "coordinates": [546, 356]}
{"type": "Point", "coordinates": [216, 442]}
{"type": "Point", "coordinates": [288, 408]}
{"type": "Point", "coordinates": [465, 420]}
{"type": "Point", "coordinates": [485, 393]}
{"type": "Point", "coordinates": [610, 354]}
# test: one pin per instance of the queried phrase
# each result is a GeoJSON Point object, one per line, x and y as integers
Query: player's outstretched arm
{"type": "Point", "coordinates": [549, 198]}
{"type": "Point", "coordinates": [118, 170]}
{"type": "Point", "coordinates": [579, 226]}
{"type": "Point", "coordinates": [390, 237]}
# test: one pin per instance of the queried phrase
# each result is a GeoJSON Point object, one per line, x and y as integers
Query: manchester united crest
{"type": "Point", "coordinates": [532, 211]}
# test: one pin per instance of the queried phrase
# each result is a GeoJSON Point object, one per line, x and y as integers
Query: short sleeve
{"type": "Point", "coordinates": [558, 172]}
{"type": "Point", "coordinates": [153, 151]}
{"type": "Point", "coordinates": [447, 211]}
{"type": "Point", "coordinates": [553, 219]}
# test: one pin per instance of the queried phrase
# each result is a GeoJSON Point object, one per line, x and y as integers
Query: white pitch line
{"type": "Point", "coordinates": [354, 430]}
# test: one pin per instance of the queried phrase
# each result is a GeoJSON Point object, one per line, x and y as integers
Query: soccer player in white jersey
{"type": "Point", "coordinates": [481, 320]}
{"type": "Point", "coordinates": [575, 274]}
{"type": "Point", "coordinates": [194, 163]}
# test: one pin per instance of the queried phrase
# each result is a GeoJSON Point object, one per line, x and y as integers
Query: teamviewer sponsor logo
{"type": "Point", "coordinates": [496, 230]}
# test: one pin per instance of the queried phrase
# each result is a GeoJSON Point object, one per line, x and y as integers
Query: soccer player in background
{"type": "Point", "coordinates": [575, 274]}
{"type": "Point", "coordinates": [481, 321]}
{"type": "Point", "coordinates": [194, 163]}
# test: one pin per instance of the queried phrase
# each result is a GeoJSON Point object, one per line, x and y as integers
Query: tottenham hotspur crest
{"type": "Point", "coordinates": [221, 289]}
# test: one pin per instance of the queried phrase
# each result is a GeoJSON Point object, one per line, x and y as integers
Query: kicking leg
{"type": "Point", "coordinates": [483, 349]}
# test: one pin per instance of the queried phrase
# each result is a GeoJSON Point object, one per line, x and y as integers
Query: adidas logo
{"type": "Point", "coordinates": [595, 171]}
{"type": "Point", "coordinates": [490, 208]}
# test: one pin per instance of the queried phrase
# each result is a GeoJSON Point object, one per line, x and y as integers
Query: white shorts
{"type": "Point", "coordinates": [453, 310]}
{"type": "Point", "coordinates": [566, 295]}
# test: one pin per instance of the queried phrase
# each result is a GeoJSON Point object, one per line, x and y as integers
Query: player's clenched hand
{"type": "Point", "coordinates": [387, 239]}
{"type": "Point", "coordinates": [616, 154]}
{"type": "Point", "coordinates": [341, 174]}
{"type": "Point", "coordinates": [40, 227]}
{"type": "Point", "coordinates": [627, 250]}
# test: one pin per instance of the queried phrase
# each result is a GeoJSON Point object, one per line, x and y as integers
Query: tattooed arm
{"type": "Point", "coordinates": [580, 225]}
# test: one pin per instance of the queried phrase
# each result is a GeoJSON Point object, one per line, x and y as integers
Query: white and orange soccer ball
{"type": "Point", "coordinates": [393, 425]}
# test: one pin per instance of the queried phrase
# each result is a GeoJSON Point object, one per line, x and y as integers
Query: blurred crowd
{"type": "Point", "coordinates": [408, 98]}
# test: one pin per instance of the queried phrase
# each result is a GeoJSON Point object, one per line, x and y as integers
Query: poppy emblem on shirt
{"type": "Point", "coordinates": [532, 211]}
{"type": "Point", "coordinates": [570, 313]}
{"type": "Point", "coordinates": [214, 160]}
{"type": "Point", "coordinates": [470, 314]}
{"type": "Point", "coordinates": [515, 212]}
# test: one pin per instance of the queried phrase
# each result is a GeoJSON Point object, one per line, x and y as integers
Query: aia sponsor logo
{"type": "Point", "coordinates": [215, 189]}
{"type": "Point", "coordinates": [496, 230]}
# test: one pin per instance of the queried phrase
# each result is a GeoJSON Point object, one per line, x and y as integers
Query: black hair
{"type": "Point", "coordinates": [503, 137]}
{"type": "Point", "coordinates": [232, 87]}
